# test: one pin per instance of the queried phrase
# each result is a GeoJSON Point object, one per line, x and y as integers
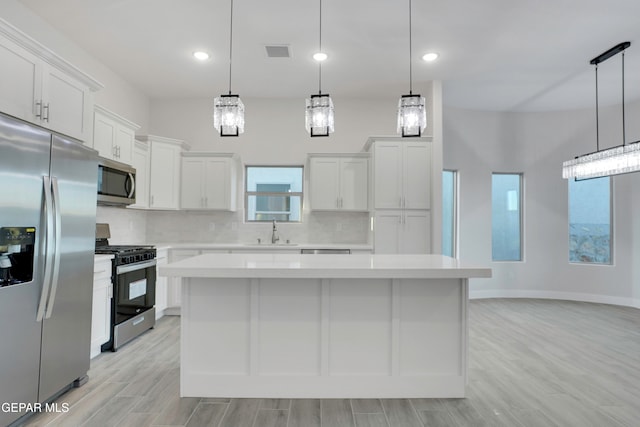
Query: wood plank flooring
{"type": "Point", "coordinates": [531, 363]}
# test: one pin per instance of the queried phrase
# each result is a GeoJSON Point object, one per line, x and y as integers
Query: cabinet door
{"type": "Point", "coordinates": [104, 133]}
{"type": "Point", "coordinates": [416, 176]}
{"type": "Point", "coordinates": [192, 194]}
{"type": "Point", "coordinates": [388, 227]}
{"type": "Point", "coordinates": [140, 162]}
{"type": "Point", "coordinates": [324, 183]}
{"type": "Point", "coordinates": [217, 183]}
{"type": "Point", "coordinates": [125, 138]}
{"type": "Point", "coordinates": [66, 104]}
{"type": "Point", "coordinates": [161, 284]}
{"type": "Point", "coordinates": [388, 175]}
{"type": "Point", "coordinates": [174, 285]}
{"type": "Point", "coordinates": [353, 184]}
{"type": "Point", "coordinates": [20, 78]}
{"type": "Point", "coordinates": [164, 179]}
{"type": "Point", "coordinates": [416, 232]}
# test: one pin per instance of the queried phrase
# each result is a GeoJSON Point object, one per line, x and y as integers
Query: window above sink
{"type": "Point", "coordinates": [273, 193]}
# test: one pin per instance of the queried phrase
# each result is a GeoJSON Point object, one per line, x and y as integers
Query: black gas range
{"type": "Point", "coordinates": [134, 288]}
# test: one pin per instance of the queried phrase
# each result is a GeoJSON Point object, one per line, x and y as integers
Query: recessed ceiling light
{"type": "Point", "coordinates": [319, 56]}
{"type": "Point", "coordinates": [202, 56]}
{"type": "Point", "coordinates": [431, 56]}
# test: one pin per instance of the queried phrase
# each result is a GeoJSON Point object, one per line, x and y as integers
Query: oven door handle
{"type": "Point", "coordinates": [121, 269]}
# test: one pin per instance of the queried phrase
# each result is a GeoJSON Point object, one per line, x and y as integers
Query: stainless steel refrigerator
{"type": "Point", "coordinates": [47, 241]}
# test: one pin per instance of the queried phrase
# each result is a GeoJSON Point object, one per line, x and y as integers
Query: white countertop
{"type": "Point", "coordinates": [322, 266]}
{"type": "Point", "coordinates": [264, 246]}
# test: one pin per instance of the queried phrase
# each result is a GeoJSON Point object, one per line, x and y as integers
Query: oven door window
{"type": "Point", "coordinates": [135, 292]}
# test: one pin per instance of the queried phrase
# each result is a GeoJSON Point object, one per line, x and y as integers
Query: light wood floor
{"type": "Point", "coordinates": [531, 363]}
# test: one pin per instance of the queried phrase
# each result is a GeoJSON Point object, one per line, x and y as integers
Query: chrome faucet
{"type": "Point", "coordinates": [274, 233]}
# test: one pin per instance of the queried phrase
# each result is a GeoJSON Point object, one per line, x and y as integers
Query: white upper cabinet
{"type": "Point", "coordinates": [338, 183]}
{"type": "Point", "coordinates": [19, 73]}
{"type": "Point", "coordinates": [113, 135]}
{"type": "Point", "coordinates": [38, 86]}
{"type": "Point", "coordinates": [209, 181]}
{"type": "Point", "coordinates": [164, 171]}
{"type": "Point", "coordinates": [140, 162]}
{"type": "Point", "coordinates": [402, 175]}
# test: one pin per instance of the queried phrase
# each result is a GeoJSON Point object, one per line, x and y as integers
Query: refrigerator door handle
{"type": "Point", "coordinates": [48, 237]}
{"type": "Point", "coordinates": [56, 253]}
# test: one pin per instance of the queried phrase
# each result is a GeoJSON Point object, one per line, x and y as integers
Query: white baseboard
{"type": "Point", "coordinates": [571, 296]}
{"type": "Point", "coordinates": [172, 311]}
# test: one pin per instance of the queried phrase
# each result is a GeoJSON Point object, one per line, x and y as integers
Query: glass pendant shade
{"type": "Point", "coordinates": [228, 115]}
{"type": "Point", "coordinates": [412, 115]}
{"type": "Point", "coordinates": [319, 115]}
{"type": "Point", "coordinates": [613, 161]}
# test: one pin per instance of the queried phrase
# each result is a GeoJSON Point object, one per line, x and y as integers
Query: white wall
{"type": "Point", "coordinates": [479, 143]}
{"type": "Point", "coordinates": [274, 130]}
{"type": "Point", "coordinates": [274, 134]}
{"type": "Point", "coordinates": [118, 95]}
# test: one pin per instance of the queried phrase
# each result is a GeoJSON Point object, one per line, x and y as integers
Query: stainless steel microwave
{"type": "Point", "coordinates": [116, 183]}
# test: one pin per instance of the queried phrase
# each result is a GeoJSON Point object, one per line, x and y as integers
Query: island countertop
{"type": "Point", "coordinates": [323, 266]}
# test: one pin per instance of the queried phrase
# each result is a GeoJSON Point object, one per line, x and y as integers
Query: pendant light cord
{"type": "Point", "coordinates": [410, 52]}
{"type": "Point", "coordinates": [624, 139]}
{"type": "Point", "coordinates": [230, 44]}
{"type": "Point", "coordinates": [320, 50]}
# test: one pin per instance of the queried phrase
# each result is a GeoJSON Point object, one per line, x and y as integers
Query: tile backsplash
{"type": "Point", "coordinates": [129, 226]}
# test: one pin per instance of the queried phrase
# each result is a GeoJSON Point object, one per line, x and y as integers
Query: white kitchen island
{"type": "Point", "coordinates": [323, 326]}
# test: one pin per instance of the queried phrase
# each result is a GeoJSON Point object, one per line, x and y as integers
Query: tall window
{"type": "Point", "coordinates": [590, 221]}
{"type": "Point", "coordinates": [506, 217]}
{"type": "Point", "coordinates": [273, 193]}
{"type": "Point", "coordinates": [449, 212]}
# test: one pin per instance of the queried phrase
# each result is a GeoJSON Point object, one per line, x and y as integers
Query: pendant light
{"type": "Point", "coordinates": [412, 115]}
{"type": "Point", "coordinates": [228, 110]}
{"type": "Point", "coordinates": [622, 159]}
{"type": "Point", "coordinates": [319, 108]}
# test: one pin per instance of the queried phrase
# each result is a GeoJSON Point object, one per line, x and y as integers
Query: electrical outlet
{"type": "Point", "coordinates": [234, 226]}
{"type": "Point", "coordinates": [212, 226]}
{"type": "Point", "coordinates": [338, 226]}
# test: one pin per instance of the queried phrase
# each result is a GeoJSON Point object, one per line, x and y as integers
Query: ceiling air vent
{"type": "Point", "coordinates": [278, 51]}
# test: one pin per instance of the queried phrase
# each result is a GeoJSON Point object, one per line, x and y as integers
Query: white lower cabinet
{"type": "Point", "coordinates": [101, 311]}
{"type": "Point", "coordinates": [162, 257]}
{"type": "Point", "coordinates": [402, 232]}
{"type": "Point", "coordinates": [174, 284]}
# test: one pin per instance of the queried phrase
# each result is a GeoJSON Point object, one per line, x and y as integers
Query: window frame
{"type": "Point", "coordinates": [248, 193]}
{"type": "Point", "coordinates": [611, 225]}
{"type": "Point", "coordinates": [520, 216]}
{"type": "Point", "coordinates": [455, 213]}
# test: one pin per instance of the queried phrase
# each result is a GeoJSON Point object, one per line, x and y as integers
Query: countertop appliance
{"type": "Point", "coordinates": [116, 183]}
{"type": "Point", "coordinates": [47, 220]}
{"type": "Point", "coordinates": [134, 288]}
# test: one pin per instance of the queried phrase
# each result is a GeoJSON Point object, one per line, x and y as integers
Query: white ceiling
{"type": "Point", "coordinates": [504, 55]}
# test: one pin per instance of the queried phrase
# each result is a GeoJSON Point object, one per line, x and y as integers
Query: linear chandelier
{"type": "Point", "coordinates": [412, 115]}
{"type": "Point", "coordinates": [319, 108]}
{"type": "Point", "coordinates": [228, 110]}
{"type": "Point", "coordinates": [618, 160]}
